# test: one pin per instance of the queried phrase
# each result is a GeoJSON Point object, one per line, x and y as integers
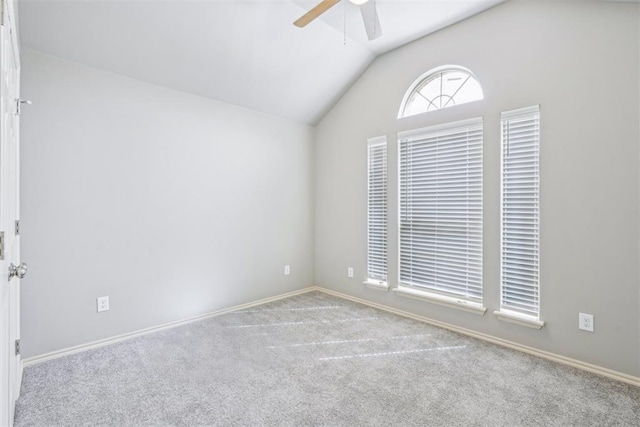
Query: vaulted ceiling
{"type": "Point", "coordinates": [241, 52]}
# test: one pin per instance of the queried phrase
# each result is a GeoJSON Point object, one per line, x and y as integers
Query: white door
{"type": "Point", "coordinates": [10, 362]}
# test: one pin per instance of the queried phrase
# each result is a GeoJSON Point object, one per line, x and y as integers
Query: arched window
{"type": "Point", "coordinates": [439, 88]}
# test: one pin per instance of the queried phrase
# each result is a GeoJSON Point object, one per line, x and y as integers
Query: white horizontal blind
{"type": "Point", "coordinates": [377, 210]}
{"type": "Point", "coordinates": [520, 211]}
{"type": "Point", "coordinates": [441, 209]}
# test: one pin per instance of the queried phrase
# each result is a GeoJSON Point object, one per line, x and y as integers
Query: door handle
{"type": "Point", "coordinates": [18, 271]}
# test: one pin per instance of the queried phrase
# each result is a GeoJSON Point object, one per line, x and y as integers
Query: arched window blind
{"type": "Point", "coordinates": [441, 209]}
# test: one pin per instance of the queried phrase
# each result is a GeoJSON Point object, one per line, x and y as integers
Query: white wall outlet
{"type": "Point", "coordinates": [287, 270]}
{"type": "Point", "coordinates": [350, 272]}
{"type": "Point", "coordinates": [103, 304]}
{"type": "Point", "coordinates": [585, 322]}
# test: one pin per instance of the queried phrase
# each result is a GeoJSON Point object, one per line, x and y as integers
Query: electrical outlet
{"type": "Point", "coordinates": [103, 304]}
{"type": "Point", "coordinates": [585, 322]}
{"type": "Point", "coordinates": [350, 272]}
{"type": "Point", "coordinates": [287, 270]}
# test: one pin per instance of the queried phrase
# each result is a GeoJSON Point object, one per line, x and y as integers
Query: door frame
{"type": "Point", "coordinates": [9, 210]}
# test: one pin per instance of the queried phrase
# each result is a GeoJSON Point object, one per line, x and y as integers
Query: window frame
{"type": "Point", "coordinates": [374, 281]}
{"type": "Point", "coordinates": [424, 293]}
{"type": "Point", "coordinates": [427, 76]}
{"type": "Point", "coordinates": [508, 312]}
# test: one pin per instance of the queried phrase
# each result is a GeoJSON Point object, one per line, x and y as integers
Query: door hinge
{"type": "Point", "coordinates": [17, 347]}
{"type": "Point", "coordinates": [19, 102]}
{"type": "Point", "coordinates": [1, 245]}
{"type": "Point", "coordinates": [2, 12]}
{"type": "Point", "coordinates": [17, 227]}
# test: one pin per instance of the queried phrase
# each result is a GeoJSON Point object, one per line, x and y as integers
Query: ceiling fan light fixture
{"type": "Point", "coordinates": [367, 9]}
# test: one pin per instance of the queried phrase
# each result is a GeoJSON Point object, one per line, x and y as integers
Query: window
{"type": "Point", "coordinates": [440, 88]}
{"type": "Point", "coordinates": [377, 213]}
{"type": "Point", "coordinates": [520, 213]}
{"type": "Point", "coordinates": [441, 211]}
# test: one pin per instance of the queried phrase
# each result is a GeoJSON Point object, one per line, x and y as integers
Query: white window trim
{"type": "Point", "coordinates": [519, 319]}
{"type": "Point", "coordinates": [426, 75]}
{"type": "Point", "coordinates": [377, 285]}
{"type": "Point", "coordinates": [437, 128]}
{"type": "Point", "coordinates": [442, 300]}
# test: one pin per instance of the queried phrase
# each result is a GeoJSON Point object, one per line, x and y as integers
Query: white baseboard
{"type": "Point", "coordinates": [609, 373]}
{"type": "Point", "coordinates": [112, 340]}
{"type": "Point", "coordinates": [629, 379]}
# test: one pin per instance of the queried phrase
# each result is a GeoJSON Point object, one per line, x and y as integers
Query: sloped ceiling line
{"type": "Point", "coordinates": [245, 53]}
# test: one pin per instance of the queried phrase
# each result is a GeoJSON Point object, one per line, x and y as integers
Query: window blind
{"type": "Point", "coordinates": [441, 209]}
{"type": "Point", "coordinates": [520, 211]}
{"type": "Point", "coordinates": [377, 210]}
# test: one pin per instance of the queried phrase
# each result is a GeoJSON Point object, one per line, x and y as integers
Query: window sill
{"type": "Point", "coordinates": [519, 319]}
{"type": "Point", "coordinates": [442, 300]}
{"type": "Point", "coordinates": [376, 284]}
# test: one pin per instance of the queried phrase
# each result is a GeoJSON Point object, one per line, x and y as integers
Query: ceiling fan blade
{"type": "Point", "coordinates": [321, 8]}
{"type": "Point", "coordinates": [371, 20]}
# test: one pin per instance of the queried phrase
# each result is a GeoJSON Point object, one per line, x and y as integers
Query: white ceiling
{"type": "Point", "coordinates": [241, 52]}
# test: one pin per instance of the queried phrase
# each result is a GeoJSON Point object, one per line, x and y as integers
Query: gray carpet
{"type": "Point", "coordinates": [318, 360]}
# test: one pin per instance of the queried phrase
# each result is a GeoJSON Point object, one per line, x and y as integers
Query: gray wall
{"type": "Point", "coordinates": [579, 61]}
{"type": "Point", "coordinates": [171, 204]}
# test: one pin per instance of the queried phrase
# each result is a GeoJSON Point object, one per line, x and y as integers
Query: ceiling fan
{"type": "Point", "coordinates": [367, 9]}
